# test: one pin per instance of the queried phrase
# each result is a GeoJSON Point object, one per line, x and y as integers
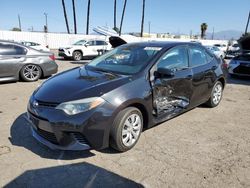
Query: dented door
{"type": "Point", "coordinates": [171, 95]}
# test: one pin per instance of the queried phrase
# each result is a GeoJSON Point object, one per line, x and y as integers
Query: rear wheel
{"type": "Point", "coordinates": [30, 73]}
{"type": "Point", "coordinates": [126, 129]}
{"type": "Point", "coordinates": [216, 95]}
{"type": "Point", "coordinates": [77, 55]}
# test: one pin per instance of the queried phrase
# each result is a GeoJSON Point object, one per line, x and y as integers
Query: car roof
{"type": "Point", "coordinates": [162, 44]}
{"type": "Point", "coordinates": [13, 42]}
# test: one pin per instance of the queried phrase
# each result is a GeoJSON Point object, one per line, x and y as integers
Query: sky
{"type": "Point", "coordinates": [165, 16]}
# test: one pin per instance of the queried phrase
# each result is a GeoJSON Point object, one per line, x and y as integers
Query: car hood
{"type": "Point", "coordinates": [116, 41]}
{"type": "Point", "coordinates": [78, 83]}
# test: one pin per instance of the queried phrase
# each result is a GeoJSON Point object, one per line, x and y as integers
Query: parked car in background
{"type": "Point", "coordinates": [35, 46]}
{"type": "Point", "coordinates": [19, 61]}
{"type": "Point", "coordinates": [84, 48]}
{"type": "Point", "coordinates": [234, 47]}
{"type": "Point", "coordinates": [216, 51]}
{"type": "Point", "coordinates": [240, 65]}
{"type": "Point", "coordinates": [233, 50]}
{"type": "Point", "coordinates": [109, 101]}
{"type": "Point", "coordinates": [222, 47]}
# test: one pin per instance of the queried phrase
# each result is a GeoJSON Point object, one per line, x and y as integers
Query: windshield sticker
{"type": "Point", "coordinates": [153, 48]}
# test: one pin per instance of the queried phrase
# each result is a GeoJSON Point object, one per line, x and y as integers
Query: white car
{"type": "Point", "coordinates": [84, 48]}
{"type": "Point", "coordinates": [222, 47]}
{"type": "Point", "coordinates": [234, 47]}
{"type": "Point", "coordinates": [216, 51]}
{"type": "Point", "coordinates": [35, 45]}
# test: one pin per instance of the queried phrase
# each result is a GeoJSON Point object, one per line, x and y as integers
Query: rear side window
{"type": "Point", "coordinates": [198, 56]}
{"type": "Point", "coordinates": [10, 49]}
{"type": "Point", "coordinates": [100, 43]}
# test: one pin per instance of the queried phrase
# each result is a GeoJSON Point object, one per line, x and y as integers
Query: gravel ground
{"type": "Point", "coordinates": [201, 148]}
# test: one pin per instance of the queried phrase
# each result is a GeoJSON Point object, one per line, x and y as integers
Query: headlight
{"type": "Point", "coordinates": [67, 48]}
{"type": "Point", "coordinates": [78, 106]}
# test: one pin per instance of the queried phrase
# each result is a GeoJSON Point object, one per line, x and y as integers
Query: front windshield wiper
{"type": "Point", "coordinates": [97, 69]}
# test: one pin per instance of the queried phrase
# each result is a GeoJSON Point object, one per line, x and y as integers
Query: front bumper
{"type": "Point", "coordinates": [64, 53]}
{"type": "Point", "coordinates": [56, 130]}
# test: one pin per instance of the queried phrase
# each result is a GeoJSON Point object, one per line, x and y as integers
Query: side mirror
{"type": "Point", "coordinates": [164, 72]}
{"type": "Point", "coordinates": [86, 45]}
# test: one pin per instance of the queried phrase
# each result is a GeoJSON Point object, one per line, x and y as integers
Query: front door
{"type": "Point", "coordinates": [171, 94]}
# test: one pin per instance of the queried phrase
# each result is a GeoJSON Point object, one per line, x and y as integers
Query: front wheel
{"type": "Point", "coordinates": [77, 55]}
{"type": "Point", "coordinates": [216, 95]}
{"type": "Point", "coordinates": [126, 129]}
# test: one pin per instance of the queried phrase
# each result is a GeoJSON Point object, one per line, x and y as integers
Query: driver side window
{"type": "Point", "coordinates": [174, 59]}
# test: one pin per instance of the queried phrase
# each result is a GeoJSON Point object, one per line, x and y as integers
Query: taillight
{"type": "Point", "coordinates": [52, 57]}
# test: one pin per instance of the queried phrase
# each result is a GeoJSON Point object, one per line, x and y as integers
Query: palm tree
{"type": "Point", "coordinates": [87, 28]}
{"type": "Point", "coordinates": [65, 16]}
{"type": "Point", "coordinates": [142, 20]}
{"type": "Point", "coordinates": [74, 15]}
{"type": "Point", "coordinates": [123, 11]}
{"type": "Point", "coordinates": [115, 28]}
{"type": "Point", "coordinates": [203, 30]}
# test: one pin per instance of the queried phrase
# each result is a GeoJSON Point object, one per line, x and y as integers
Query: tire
{"type": "Point", "coordinates": [30, 73]}
{"type": "Point", "coordinates": [77, 56]}
{"type": "Point", "coordinates": [216, 95]}
{"type": "Point", "coordinates": [122, 125]}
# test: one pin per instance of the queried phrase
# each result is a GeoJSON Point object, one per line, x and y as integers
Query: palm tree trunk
{"type": "Point", "coordinates": [87, 28]}
{"type": "Point", "coordinates": [114, 14]}
{"type": "Point", "coordinates": [123, 11]}
{"type": "Point", "coordinates": [65, 16]}
{"type": "Point", "coordinates": [142, 20]}
{"type": "Point", "coordinates": [74, 14]}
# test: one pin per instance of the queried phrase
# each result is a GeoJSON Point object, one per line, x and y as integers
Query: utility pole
{"type": "Point", "coordinates": [213, 34]}
{"type": "Point", "coordinates": [149, 27]}
{"type": "Point", "coordinates": [46, 22]}
{"type": "Point", "coordinates": [19, 22]}
{"type": "Point", "coordinates": [247, 23]}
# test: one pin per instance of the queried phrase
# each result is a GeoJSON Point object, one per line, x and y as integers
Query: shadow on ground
{"type": "Point", "coordinates": [21, 136]}
{"type": "Point", "coordinates": [73, 175]}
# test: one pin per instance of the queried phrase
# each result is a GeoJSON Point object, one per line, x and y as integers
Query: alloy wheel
{"type": "Point", "coordinates": [31, 72]}
{"type": "Point", "coordinates": [217, 93]}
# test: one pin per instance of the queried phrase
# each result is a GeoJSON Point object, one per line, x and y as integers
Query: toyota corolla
{"type": "Point", "coordinates": [109, 101]}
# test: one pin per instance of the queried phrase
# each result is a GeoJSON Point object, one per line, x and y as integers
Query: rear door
{"type": "Point", "coordinates": [171, 95]}
{"type": "Point", "coordinates": [10, 58]}
{"type": "Point", "coordinates": [203, 66]}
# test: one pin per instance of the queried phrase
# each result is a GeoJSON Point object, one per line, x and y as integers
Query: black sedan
{"type": "Point", "coordinates": [109, 101]}
{"type": "Point", "coordinates": [19, 61]}
{"type": "Point", "coordinates": [240, 65]}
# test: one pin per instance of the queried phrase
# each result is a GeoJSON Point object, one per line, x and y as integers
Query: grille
{"type": "Point", "coordinates": [61, 50]}
{"type": "Point", "coordinates": [80, 138]}
{"type": "Point", "coordinates": [47, 135]}
{"type": "Point", "coordinates": [47, 104]}
{"type": "Point", "coordinates": [242, 70]}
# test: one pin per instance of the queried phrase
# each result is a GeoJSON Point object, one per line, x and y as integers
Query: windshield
{"type": "Point", "coordinates": [80, 42]}
{"type": "Point", "coordinates": [128, 59]}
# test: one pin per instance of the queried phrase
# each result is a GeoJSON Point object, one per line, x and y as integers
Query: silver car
{"type": "Point", "coordinates": [19, 61]}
